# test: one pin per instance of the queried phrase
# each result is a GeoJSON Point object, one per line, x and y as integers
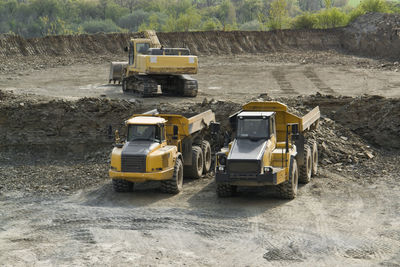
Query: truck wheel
{"type": "Point", "coordinates": [288, 189]}
{"type": "Point", "coordinates": [196, 170]}
{"type": "Point", "coordinates": [314, 155]}
{"type": "Point", "coordinates": [225, 190]}
{"type": "Point", "coordinates": [174, 186]}
{"type": "Point", "coordinates": [206, 148]}
{"type": "Point", "coordinates": [306, 168]}
{"type": "Point", "coordinates": [120, 185]}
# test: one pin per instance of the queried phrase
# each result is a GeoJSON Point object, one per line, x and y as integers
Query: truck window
{"type": "Point", "coordinates": [142, 48]}
{"type": "Point", "coordinates": [131, 54]}
{"type": "Point", "coordinates": [144, 132]}
{"type": "Point", "coordinates": [253, 128]}
{"type": "Point", "coordinates": [272, 132]}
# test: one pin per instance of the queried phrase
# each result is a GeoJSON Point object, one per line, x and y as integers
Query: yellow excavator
{"type": "Point", "coordinates": [153, 69]}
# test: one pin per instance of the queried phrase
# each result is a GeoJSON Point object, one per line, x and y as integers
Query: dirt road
{"type": "Point", "coordinates": [333, 222]}
{"type": "Point", "coordinates": [237, 78]}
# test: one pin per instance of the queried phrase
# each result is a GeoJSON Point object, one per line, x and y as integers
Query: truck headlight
{"type": "Point", "coordinates": [268, 169]}
{"type": "Point", "coordinates": [222, 160]}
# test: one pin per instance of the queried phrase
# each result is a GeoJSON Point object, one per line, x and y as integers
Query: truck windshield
{"type": "Point", "coordinates": [253, 128]}
{"type": "Point", "coordinates": [144, 132]}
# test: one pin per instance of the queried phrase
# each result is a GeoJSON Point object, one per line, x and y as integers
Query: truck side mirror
{"type": "Point", "coordinates": [295, 129]}
{"type": "Point", "coordinates": [126, 49]}
{"type": "Point", "coordinates": [118, 140]}
{"type": "Point", "coordinates": [215, 127]}
{"type": "Point", "coordinates": [176, 131]}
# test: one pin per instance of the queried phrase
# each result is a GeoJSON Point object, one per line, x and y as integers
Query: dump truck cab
{"type": "Point", "coordinates": [268, 145]}
{"type": "Point", "coordinates": [145, 154]}
{"type": "Point", "coordinates": [162, 147]}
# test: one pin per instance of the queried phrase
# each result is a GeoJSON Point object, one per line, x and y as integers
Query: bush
{"type": "Point", "coordinates": [95, 26]}
{"type": "Point", "coordinates": [331, 18]}
{"type": "Point", "coordinates": [253, 25]}
{"type": "Point", "coordinates": [304, 21]}
{"type": "Point", "coordinates": [374, 6]}
{"type": "Point", "coordinates": [134, 20]}
{"type": "Point", "coordinates": [211, 24]}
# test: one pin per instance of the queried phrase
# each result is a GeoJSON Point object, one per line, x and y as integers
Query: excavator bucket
{"type": "Point", "coordinates": [116, 71]}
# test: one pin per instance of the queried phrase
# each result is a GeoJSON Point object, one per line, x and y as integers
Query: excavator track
{"type": "Point", "coordinates": [142, 85]}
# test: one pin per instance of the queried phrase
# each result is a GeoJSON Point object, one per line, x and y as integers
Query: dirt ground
{"type": "Point", "coordinates": [57, 206]}
{"type": "Point", "coordinates": [237, 78]}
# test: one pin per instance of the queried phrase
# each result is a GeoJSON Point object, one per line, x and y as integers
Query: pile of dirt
{"type": "Point", "coordinates": [375, 35]}
{"type": "Point", "coordinates": [47, 128]}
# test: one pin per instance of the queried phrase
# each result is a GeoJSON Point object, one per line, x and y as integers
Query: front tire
{"type": "Point", "coordinates": [288, 189]}
{"type": "Point", "coordinates": [174, 186]}
{"type": "Point", "coordinates": [122, 186]}
{"type": "Point", "coordinates": [225, 190]}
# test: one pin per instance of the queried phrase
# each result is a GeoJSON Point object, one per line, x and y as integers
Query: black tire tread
{"type": "Point", "coordinates": [285, 189]}
{"type": "Point", "coordinates": [304, 178]}
{"type": "Point", "coordinates": [121, 185]}
{"type": "Point", "coordinates": [171, 186]}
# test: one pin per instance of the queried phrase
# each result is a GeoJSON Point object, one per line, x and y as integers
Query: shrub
{"type": "Point", "coordinates": [94, 26]}
{"type": "Point", "coordinates": [304, 21]}
{"type": "Point", "coordinates": [374, 6]}
{"type": "Point", "coordinates": [253, 25]}
{"type": "Point", "coordinates": [134, 20]}
{"type": "Point", "coordinates": [331, 18]}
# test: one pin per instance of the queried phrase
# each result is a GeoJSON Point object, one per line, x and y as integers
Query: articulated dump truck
{"type": "Point", "coordinates": [270, 147]}
{"type": "Point", "coordinates": [152, 69]}
{"type": "Point", "coordinates": [162, 147]}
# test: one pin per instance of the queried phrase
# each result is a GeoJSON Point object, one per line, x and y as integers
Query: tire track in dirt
{"type": "Point", "coordinates": [320, 84]}
{"type": "Point", "coordinates": [279, 75]}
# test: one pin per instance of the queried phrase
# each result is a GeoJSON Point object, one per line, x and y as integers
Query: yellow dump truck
{"type": "Point", "coordinates": [152, 69]}
{"type": "Point", "coordinates": [162, 147]}
{"type": "Point", "coordinates": [270, 147]}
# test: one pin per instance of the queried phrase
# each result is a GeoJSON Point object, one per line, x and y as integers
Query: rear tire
{"type": "Point", "coordinates": [225, 190]}
{"type": "Point", "coordinates": [196, 170]}
{"type": "Point", "coordinates": [314, 156]}
{"type": "Point", "coordinates": [306, 168]}
{"type": "Point", "coordinates": [121, 186]}
{"type": "Point", "coordinates": [288, 189]}
{"type": "Point", "coordinates": [174, 186]}
{"type": "Point", "coordinates": [206, 148]}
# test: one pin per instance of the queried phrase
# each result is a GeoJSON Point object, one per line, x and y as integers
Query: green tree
{"type": "Point", "coordinates": [226, 13]}
{"type": "Point", "coordinates": [278, 15]}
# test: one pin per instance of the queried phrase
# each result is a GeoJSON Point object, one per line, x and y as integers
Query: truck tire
{"type": "Point", "coordinates": [306, 168]}
{"type": "Point", "coordinates": [206, 148]}
{"type": "Point", "coordinates": [314, 156]}
{"type": "Point", "coordinates": [225, 190]}
{"type": "Point", "coordinates": [174, 186]}
{"type": "Point", "coordinates": [121, 185]}
{"type": "Point", "coordinates": [288, 189]}
{"type": "Point", "coordinates": [196, 169]}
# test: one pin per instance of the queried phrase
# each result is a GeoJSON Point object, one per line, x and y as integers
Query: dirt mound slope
{"type": "Point", "coordinates": [374, 34]}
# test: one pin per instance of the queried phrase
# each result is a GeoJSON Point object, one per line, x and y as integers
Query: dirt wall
{"type": "Point", "coordinates": [374, 35]}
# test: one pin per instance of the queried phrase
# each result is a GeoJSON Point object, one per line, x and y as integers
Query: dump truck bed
{"type": "Point", "coordinates": [284, 117]}
{"type": "Point", "coordinates": [188, 123]}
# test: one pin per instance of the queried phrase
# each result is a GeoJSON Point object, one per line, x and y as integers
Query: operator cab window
{"type": "Point", "coordinates": [131, 54]}
{"type": "Point", "coordinates": [144, 132]}
{"type": "Point", "coordinates": [142, 48]}
{"type": "Point", "coordinates": [253, 128]}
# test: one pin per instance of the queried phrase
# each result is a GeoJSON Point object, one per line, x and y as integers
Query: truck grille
{"type": "Point", "coordinates": [236, 166]}
{"type": "Point", "coordinates": [131, 163]}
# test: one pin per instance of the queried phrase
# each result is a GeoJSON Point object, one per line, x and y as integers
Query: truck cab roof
{"type": "Point", "coordinates": [147, 120]}
{"type": "Point", "coordinates": [255, 114]}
